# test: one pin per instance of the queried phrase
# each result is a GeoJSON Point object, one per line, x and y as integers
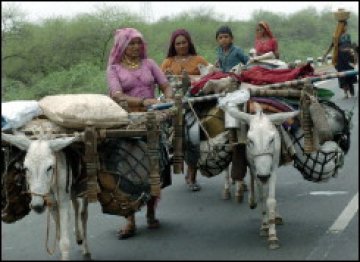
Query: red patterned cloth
{"type": "Point", "coordinates": [258, 75]}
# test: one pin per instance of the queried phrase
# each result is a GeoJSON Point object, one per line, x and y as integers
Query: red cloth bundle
{"type": "Point", "coordinates": [258, 75]}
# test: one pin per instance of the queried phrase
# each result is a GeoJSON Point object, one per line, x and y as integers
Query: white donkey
{"type": "Point", "coordinates": [263, 155]}
{"type": "Point", "coordinates": [46, 175]}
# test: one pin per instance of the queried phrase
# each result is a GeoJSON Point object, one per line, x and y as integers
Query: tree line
{"type": "Point", "coordinates": [69, 55]}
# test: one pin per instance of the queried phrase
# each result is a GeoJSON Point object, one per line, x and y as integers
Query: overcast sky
{"type": "Point", "coordinates": [236, 10]}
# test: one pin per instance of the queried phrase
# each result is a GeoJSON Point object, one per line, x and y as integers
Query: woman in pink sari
{"type": "Point", "coordinates": [132, 76]}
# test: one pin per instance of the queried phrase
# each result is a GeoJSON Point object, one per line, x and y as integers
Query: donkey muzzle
{"type": "Point", "coordinates": [38, 209]}
{"type": "Point", "coordinates": [263, 178]}
{"type": "Point", "coordinates": [37, 204]}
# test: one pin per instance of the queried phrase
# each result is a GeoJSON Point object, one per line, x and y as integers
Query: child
{"type": "Point", "coordinates": [228, 55]}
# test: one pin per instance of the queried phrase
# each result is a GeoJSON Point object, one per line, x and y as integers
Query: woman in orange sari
{"type": "Point", "coordinates": [181, 57]}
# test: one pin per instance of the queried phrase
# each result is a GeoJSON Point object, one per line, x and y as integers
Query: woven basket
{"type": "Point", "coordinates": [341, 15]}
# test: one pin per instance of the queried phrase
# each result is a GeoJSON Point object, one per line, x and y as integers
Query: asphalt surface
{"type": "Point", "coordinates": [203, 226]}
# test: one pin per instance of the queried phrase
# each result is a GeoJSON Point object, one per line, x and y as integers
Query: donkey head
{"type": "Point", "coordinates": [39, 164]}
{"type": "Point", "coordinates": [262, 145]}
{"type": "Point", "coordinates": [263, 139]}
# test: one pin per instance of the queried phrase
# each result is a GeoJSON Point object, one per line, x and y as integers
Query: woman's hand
{"type": "Point", "coordinates": [150, 101]}
{"type": "Point", "coordinates": [167, 100]}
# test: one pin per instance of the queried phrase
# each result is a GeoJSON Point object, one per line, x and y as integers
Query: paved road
{"type": "Point", "coordinates": [202, 226]}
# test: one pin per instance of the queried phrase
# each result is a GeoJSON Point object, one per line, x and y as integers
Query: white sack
{"type": "Point", "coordinates": [80, 110]}
{"type": "Point", "coordinates": [17, 113]}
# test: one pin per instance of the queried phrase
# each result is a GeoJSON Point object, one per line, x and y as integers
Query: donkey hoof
{"type": "Point", "coordinates": [239, 198]}
{"type": "Point", "coordinates": [253, 206]}
{"type": "Point", "coordinates": [65, 256]}
{"type": "Point", "coordinates": [87, 256]}
{"type": "Point", "coordinates": [279, 220]}
{"type": "Point", "coordinates": [273, 244]}
{"type": "Point", "coordinates": [264, 232]}
{"type": "Point", "coordinates": [226, 195]}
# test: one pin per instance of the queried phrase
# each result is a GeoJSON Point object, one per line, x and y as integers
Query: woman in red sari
{"type": "Point", "coordinates": [266, 44]}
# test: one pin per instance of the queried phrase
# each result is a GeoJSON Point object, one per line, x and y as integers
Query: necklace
{"type": "Point", "coordinates": [131, 64]}
{"type": "Point", "coordinates": [182, 59]}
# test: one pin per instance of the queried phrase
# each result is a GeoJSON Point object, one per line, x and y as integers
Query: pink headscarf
{"type": "Point", "coordinates": [123, 37]}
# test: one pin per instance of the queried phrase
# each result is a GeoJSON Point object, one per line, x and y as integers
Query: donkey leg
{"type": "Point", "coordinates": [227, 192]}
{"type": "Point", "coordinates": [64, 242]}
{"type": "Point", "coordinates": [252, 199]}
{"type": "Point", "coordinates": [264, 228]}
{"type": "Point", "coordinates": [238, 171]}
{"type": "Point", "coordinates": [55, 215]}
{"type": "Point", "coordinates": [78, 233]}
{"type": "Point", "coordinates": [84, 219]}
{"type": "Point", "coordinates": [239, 191]}
{"type": "Point", "coordinates": [273, 241]}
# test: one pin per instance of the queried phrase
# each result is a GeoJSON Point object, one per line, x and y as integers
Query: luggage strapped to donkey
{"type": "Point", "coordinates": [97, 183]}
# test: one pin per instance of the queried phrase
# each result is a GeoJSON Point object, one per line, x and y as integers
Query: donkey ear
{"type": "Point", "coordinates": [20, 141]}
{"type": "Point", "coordinates": [59, 143]}
{"type": "Point", "coordinates": [279, 118]}
{"type": "Point", "coordinates": [236, 113]}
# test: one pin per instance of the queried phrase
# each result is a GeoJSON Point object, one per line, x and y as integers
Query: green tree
{"type": "Point", "coordinates": [59, 54]}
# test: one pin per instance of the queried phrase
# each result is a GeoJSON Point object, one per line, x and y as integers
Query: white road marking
{"type": "Point", "coordinates": [324, 193]}
{"type": "Point", "coordinates": [327, 193]}
{"type": "Point", "coordinates": [345, 217]}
